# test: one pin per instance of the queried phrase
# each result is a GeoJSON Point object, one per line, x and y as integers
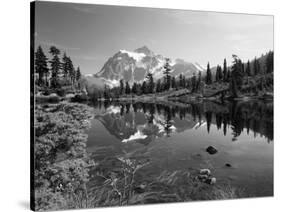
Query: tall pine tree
{"type": "Point", "coordinates": [269, 62]}
{"type": "Point", "coordinates": [55, 66]}
{"type": "Point", "coordinates": [236, 76]}
{"type": "Point", "coordinates": [256, 67]}
{"type": "Point", "coordinates": [41, 66]}
{"type": "Point", "coordinates": [127, 88]}
{"type": "Point", "coordinates": [121, 87]}
{"type": "Point", "coordinates": [219, 74]}
{"type": "Point", "coordinates": [167, 73]}
{"type": "Point", "coordinates": [78, 77]}
{"type": "Point", "coordinates": [248, 69]}
{"type": "Point", "coordinates": [150, 82]}
{"type": "Point", "coordinates": [224, 70]}
{"type": "Point", "coordinates": [65, 66]}
{"type": "Point", "coordinates": [209, 75]}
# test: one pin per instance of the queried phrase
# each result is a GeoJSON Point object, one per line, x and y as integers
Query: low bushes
{"type": "Point", "coordinates": [61, 172]}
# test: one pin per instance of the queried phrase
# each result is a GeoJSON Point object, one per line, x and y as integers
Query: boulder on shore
{"type": "Point", "coordinates": [228, 165]}
{"type": "Point", "coordinates": [205, 172]}
{"type": "Point", "coordinates": [211, 181]}
{"type": "Point", "coordinates": [211, 150]}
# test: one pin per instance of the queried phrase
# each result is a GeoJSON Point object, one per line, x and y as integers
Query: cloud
{"type": "Point", "coordinates": [188, 17]}
{"type": "Point", "coordinates": [85, 8]}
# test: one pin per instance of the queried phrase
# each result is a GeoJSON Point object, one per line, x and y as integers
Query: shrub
{"type": "Point", "coordinates": [61, 171]}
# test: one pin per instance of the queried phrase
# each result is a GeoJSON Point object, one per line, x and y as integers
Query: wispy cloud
{"type": "Point", "coordinates": [86, 8]}
{"type": "Point", "coordinates": [187, 17]}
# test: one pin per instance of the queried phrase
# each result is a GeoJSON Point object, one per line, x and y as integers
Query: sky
{"type": "Point", "coordinates": [91, 34]}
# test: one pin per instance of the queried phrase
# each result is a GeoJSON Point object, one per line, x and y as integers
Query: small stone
{"type": "Point", "coordinates": [211, 150]}
{"type": "Point", "coordinates": [140, 188]}
{"type": "Point", "coordinates": [211, 181]}
{"type": "Point", "coordinates": [205, 171]}
{"type": "Point", "coordinates": [228, 165]}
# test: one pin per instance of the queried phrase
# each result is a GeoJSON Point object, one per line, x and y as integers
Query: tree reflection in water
{"type": "Point", "coordinates": [255, 116]}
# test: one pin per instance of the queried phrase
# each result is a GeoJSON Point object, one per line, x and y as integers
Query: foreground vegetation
{"type": "Point", "coordinates": [60, 148]}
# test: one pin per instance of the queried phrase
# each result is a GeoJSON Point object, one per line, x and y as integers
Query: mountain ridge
{"type": "Point", "coordinates": [133, 66]}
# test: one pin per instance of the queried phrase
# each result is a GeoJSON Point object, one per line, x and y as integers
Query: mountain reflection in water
{"type": "Point", "coordinates": [144, 122]}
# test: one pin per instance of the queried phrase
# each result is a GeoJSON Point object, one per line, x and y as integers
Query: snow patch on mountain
{"type": "Point", "coordinates": [133, 66]}
{"type": "Point", "coordinates": [111, 83]}
{"type": "Point", "coordinates": [137, 136]}
{"type": "Point", "coordinates": [137, 56]}
{"type": "Point", "coordinates": [88, 75]}
{"type": "Point", "coordinates": [198, 66]}
{"type": "Point", "coordinates": [113, 109]}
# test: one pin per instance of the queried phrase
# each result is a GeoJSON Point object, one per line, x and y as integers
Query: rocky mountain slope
{"type": "Point", "coordinates": [133, 66]}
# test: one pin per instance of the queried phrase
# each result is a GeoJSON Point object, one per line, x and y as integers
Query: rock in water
{"type": "Point", "coordinates": [205, 172]}
{"type": "Point", "coordinates": [211, 150]}
{"type": "Point", "coordinates": [228, 165]}
{"type": "Point", "coordinates": [211, 181]}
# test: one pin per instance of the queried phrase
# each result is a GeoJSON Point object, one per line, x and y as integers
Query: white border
{"type": "Point", "coordinates": [14, 110]}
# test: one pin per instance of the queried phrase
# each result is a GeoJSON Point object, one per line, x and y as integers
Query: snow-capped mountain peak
{"type": "Point", "coordinates": [137, 56]}
{"type": "Point", "coordinates": [133, 66]}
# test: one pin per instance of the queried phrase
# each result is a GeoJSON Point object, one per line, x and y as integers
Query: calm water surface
{"type": "Point", "coordinates": [174, 136]}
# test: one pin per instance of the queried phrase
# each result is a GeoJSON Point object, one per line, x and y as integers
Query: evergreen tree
{"type": "Point", "coordinates": [139, 89]}
{"type": "Point", "coordinates": [188, 84]}
{"type": "Point", "coordinates": [228, 75]}
{"type": "Point", "coordinates": [127, 88]}
{"type": "Point", "coordinates": [181, 81]}
{"type": "Point", "coordinates": [248, 69]}
{"type": "Point", "coordinates": [224, 70]}
{"type": "Point", "coordinates": [121, 86]}
{"type": "Point", "coordinates": [233, 87]}
{"type": "Point", "coordinates": [158, 86]}
{"type": "Point", "coordinates": [41, 66]}
{"type": "Point", "coordinates": [55, 65]}
{"type": "Point", "coordinates": [193, 83]}
{"type": "Point", "coordinates": [78, 77]}
{"type": "Point", "coordinates": [72, 71]}
{"type": "Point", "coordinates": [219, 74]}
{"type": "Point", "coordinates": [78, 74]}
{"type": "Point", "coordinates": [269, 62]}
{"type": "Point", "coordinates": [198, 81]}
{"type": "Point", "coordinates": [173, 82]}
{"type": "Point", "coordinates": [65, 66]}
{"type": "Point", "coordinates": [144, 87]}
{"type": "Point", "coordinates": [256, 66]}
{"type": "Point", "coordinates": [150, 83]}
{"type": "Point", "coordinates": [236, 76]}
{"type": "Point", "coordinates": [167, 72]}
{"type": "Point", "coordinates": [209, 75]}
{"type": "Point", "coordinates": [243, 69]}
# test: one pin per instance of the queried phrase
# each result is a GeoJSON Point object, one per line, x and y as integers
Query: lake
{"type": "Point", "coordinates": [174, 136]}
